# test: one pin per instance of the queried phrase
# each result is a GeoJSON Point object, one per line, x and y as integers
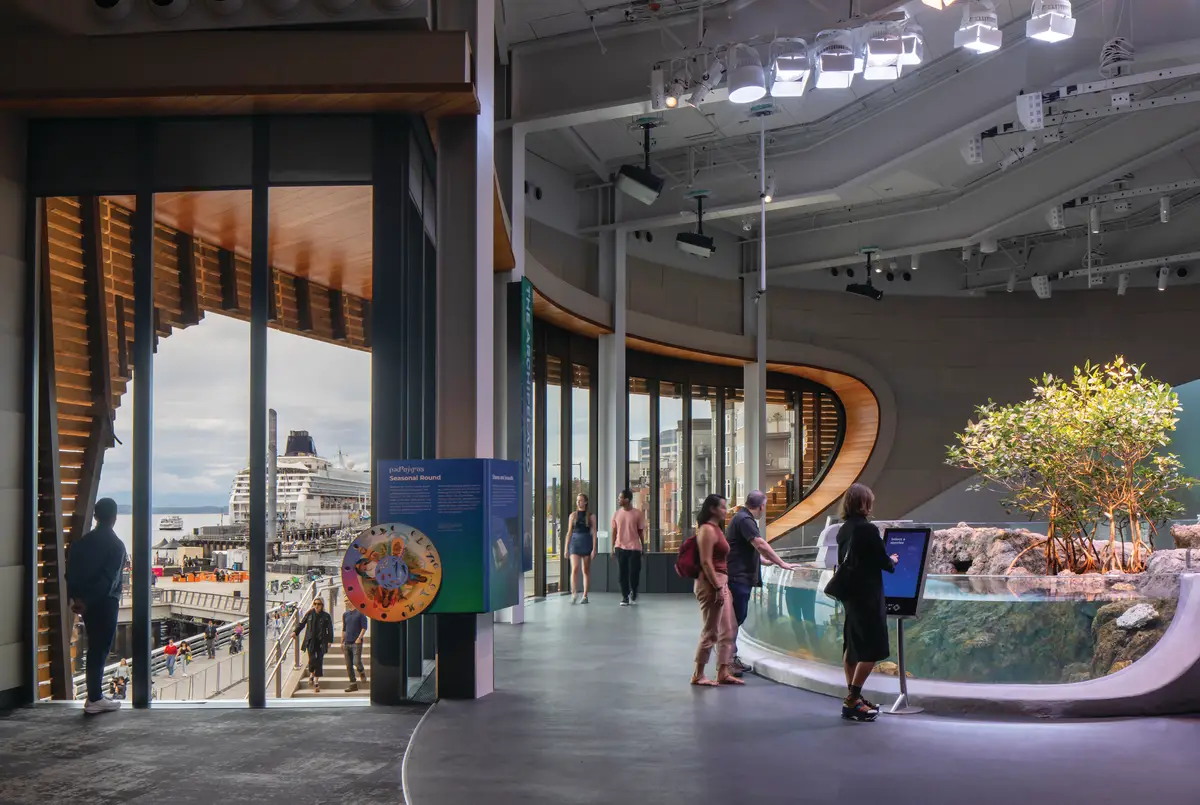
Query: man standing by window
{"type": "Point", "coordinates": [745, 572]}
{"type": "Point", "coordinates": [94, 565]}
{"type": "Point", "coordinates": [354, 629]}
{"type": "Point", "coordinates": [629, 537]}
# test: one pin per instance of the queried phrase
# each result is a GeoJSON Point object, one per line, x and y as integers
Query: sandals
{"type": "Point", "coordinates": [699, 680]}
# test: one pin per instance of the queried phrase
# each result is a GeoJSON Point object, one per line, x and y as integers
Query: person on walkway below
{"type": "Point", "coordinates": [185, 656]}
{"type": "Point", "coordinates": [582, 547]}
{"type": "Point", "coordinates": [122, 671]}
{"type": "Point", "coordinates": [210, 639]}
{"type": "Point", "coordinates": [354, 629]}
{"type": "Point", "coordinates": [172, 652]}
{"type": "Point", "coordinates": [712, 591]}
{"type": "Point", "coordinates": [318, 636]}
{"type": "Point", "coordinates": [629, 540]}
{"type": "Point", "coordinates": [746, 545]}
{"type": "Point", "coordinates": [865, 639]}
{"type": "Point", "coordinates": [94, 565]}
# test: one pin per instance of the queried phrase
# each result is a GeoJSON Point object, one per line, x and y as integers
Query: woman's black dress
{"type": "Point", "coordinates": [865, 638]}
{"type": "Point", "coordinates": [318, 635]}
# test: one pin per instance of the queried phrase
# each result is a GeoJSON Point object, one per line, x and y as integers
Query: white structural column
{"type": "Point", "coordinates": [465, 320]}
{"type": "Point", "coordinates": [755, 380]}
{"type": "Point", "coordinates": [612, 385]}
{"type": "Point", "coordinates": [514, 614]}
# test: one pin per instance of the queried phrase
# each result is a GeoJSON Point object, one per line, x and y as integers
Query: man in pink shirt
{"type": "Point", "coordinates": [629, 536]}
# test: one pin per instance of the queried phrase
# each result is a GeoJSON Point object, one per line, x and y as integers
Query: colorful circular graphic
{"type": "Point", "coordinates": [391, 572]}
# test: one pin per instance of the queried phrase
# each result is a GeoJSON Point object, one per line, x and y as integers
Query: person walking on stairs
{"type": "Point", "coordinates": [354, 630]}
{"type": "Point", "coordinates": [94, 565]}
{"type": "Point", "coordinates": [317, 626]}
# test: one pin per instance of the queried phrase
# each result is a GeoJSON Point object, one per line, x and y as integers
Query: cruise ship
{"type": "Point", "coordinates": [310, 491]}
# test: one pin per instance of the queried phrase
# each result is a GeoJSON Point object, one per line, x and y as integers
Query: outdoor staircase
{"type": "Point", "coordinates": [337, 675]}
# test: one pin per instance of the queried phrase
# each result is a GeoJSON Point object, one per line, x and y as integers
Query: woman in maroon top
{"type": "Point", "coordinates": [712, 591]}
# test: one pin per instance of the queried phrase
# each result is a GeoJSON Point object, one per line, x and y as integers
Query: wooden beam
{"type": "Point", "coordinates": [273, 296]}
{"type": "Point", "coordinates": [304, 317]}
{"type": "Point", "coordinates": [189, 294]}
{"type": "Point", "coordinates": [95, 300]}
{"type": "Point", "coordinates": [366, 320]}
{"type": "Point", "coordinates": [227, 266]}
{"type": "Point", "coordinates": [337, 315]}
{"type": "Point", "coordinates": [122, 338]}
{"type": "Point", "coordinates": [52, 550]}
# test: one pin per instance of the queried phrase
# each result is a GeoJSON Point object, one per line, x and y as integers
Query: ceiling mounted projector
{"type": "Point", "coordinates": [980, 29]}
{"type": "Point", "coordinates": [641, 183]}
{"type": "Point", "coordinates": [865, 289]}
{"type": "Point", "coordinates": [1050, 21]}
{"type": "Point", "coordinates": [697, 243]}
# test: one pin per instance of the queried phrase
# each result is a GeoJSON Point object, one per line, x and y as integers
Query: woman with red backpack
{"type": "Point", "coordinates": [712, 591]}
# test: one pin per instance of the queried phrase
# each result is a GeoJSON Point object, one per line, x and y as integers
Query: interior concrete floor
{"type": "Point", "coordinates": [594, 706]}
{"type": "Point", "coordinates": [56, 754]}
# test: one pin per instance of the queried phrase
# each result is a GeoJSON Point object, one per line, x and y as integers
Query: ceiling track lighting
{"type": "Point", "coordinates": [1094, 220]}
{"type": "Point", "coordinates": [709, 81]}
{"type": "Point", "coordinates": [1050, 21]}
{"type": "Point", "coordinates": [658, 88]}
{"type": "Point", "coordinates": [747, 79]}
{"type": "Point", "coordinates": [884, 49]}
{"type": "Point", "coordinates": [790, 67]}
{"type": "Point", "coordinates": [1122, 283]}
{"type": "Point", "coordinates": [1012, 280]}
{"type": "Point", "coordinates": [837, 59]}
{"type": "Point", "coordinates": [980, 29]}
{"type": "Point", "coordinates": [916, 262]}
{"type": "Point", "coordinates": [697, 243]}
{"type": "Point", "coordinates": [768, 194]}
{"type": "Point", "coordinates": [1164, 209]}
{"type": "Point", "coordinates": [641, 183]}
{"type": "Point", "coordinates": [1164, 274]}
{"type": "Point", "coordinates": [679, 85]}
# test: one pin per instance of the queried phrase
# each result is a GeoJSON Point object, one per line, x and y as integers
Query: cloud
{"type": "Point", "coordinates": [202, 409]}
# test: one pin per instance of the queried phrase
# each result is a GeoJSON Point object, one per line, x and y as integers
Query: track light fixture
{"type": "Point", "coordinates": [709, 81]}
{"type": "Point", "coordinates": [1050, 21]}
{"type": "Point", "coordinates": [837, 59]}
{"type": "Point", "coordinates": [980, 29]}
{"type": "Point", "coordinates": [938, 4]}
{"type": "Point", "coordinates": [1094, 220]}
{"type": "Point", "coordinates": [679, 85]}
{"type": "Point", "coordinates": [658, 89]}
{"type": "Point", "coordinates": [641, 183]}
{"type": "Point", "coordinates": [1012, 280]}
{"type": "Point", "coordinates": [790, 68]}
{"type": "Point", "coordinates": [769, 193]}
{"type": "Point", "coordinates": [747, 80]}
{"type": "Point", "coordinates": [916, 262]}
{"type": "Point", "coordinates": [1164, 209]}
{"type": "Point", "coordinates": [1122, 283]}
{"type": "Point", "coordinates": [1164, 274]}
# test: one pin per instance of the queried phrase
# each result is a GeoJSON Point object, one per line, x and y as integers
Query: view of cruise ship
{"type": "Point", "coordinates": [310, 490]}
{"type": "Point", "coordinates": [171, 523]}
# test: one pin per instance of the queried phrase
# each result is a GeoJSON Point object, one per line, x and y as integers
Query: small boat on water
{"type": "Point", "coordinates": [171, 522]}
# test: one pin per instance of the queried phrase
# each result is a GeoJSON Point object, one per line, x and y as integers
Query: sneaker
{"type": "Point", "coordinates": [353, 686]}
{"type": "Point", "coordinates": [624, 602]}
{"type": "Point", "coordinates": [101, 706]}
{"type": "Point", "coordinates": [633, 598]}
{"type": "Point", "coordinates": [584, 601]}
{"type": "Point", "coordinates": [740, 666]}
{"type": "Point", "coordinates": [858, 711]}
{"type": "Point", "coordinates": [874, 708]}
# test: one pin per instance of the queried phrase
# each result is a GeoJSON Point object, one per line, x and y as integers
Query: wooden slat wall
{"type": "Point", "coordinates": [76, 406]}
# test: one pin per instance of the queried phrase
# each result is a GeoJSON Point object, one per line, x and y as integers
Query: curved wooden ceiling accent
{"type": "Point", "coordinates": [658, 348]}
{"type": "Point", "coordinates": [862, 431]}
{"type": "Point", "coordinates": [547, 310]}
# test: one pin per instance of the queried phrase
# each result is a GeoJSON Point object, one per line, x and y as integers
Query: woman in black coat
{"type": "Point", "coordinates": [865, 639]}
{"type": "Point", "coordinates": [318, 635]}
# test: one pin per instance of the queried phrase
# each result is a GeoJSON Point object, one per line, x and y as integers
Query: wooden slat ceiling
{"type": "Point", "coordinates": [321, 233]}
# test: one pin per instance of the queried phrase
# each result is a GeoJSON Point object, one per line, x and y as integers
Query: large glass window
{"type": "Point", "coordinates": [780, 457]}
{"type": "Point", "coordinates": [581, 441]}
{"type": "Point", "coordinates": [704, 441]}
{"type": "Point", "coordinates": [639, 444]}
{"type": "Point", "coordinates": [735, 446]}
{"type": "Point", "coordinates": [554, 474]}
{"type": "Point", "coordinates": [672, 514]}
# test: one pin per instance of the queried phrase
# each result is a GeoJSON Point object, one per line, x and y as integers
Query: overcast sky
{"type": "Point", "coordinates": [202, 401]}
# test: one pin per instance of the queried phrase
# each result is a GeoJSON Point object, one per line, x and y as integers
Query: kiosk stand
{"type": "Point", "coordinates": [904, 589]}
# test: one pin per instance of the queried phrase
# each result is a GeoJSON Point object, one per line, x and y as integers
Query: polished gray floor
{"type": "Point", "coordinates": [54, 754]}
{"type": "Point", "coordinates": [593, 706]}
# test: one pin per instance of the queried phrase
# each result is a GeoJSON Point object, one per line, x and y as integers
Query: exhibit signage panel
{"type": "Point", "coordinates": [462, 519]}
{"type": "Point", "coordinates": [904, 587]}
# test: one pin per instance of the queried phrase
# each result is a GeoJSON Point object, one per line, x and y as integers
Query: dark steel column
{"type": "Point", "coordinates": [390, 367]}
{"type": "Point", "coordinates": [260, 292]}
{"type": "Point", "coordinates": [143, 411]}
{"type": "Point", "coordinates": [34, 221]}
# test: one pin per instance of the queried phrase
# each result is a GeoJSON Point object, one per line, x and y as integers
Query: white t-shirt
{"type": "Point", "coordinates": [827, 547]}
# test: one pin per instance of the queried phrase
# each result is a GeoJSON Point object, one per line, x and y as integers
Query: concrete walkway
{"type": "Point", "coordinates": [593, 706]}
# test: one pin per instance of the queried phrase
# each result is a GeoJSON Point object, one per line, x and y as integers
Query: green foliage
{"type": "Point", "coordinates": [1081, 453]}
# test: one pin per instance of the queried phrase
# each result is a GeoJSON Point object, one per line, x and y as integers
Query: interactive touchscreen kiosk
{"type": "Point", "coordinates": [904, 587]}
{"type": "Point", "coordinates": [903, 590]}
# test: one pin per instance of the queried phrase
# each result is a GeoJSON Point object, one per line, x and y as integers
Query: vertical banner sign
{"type": "Point", "coordinates": [520, 404]}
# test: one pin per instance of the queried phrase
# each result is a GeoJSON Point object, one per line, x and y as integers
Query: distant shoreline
{"type": "Point", "coordinates": [128, 509]}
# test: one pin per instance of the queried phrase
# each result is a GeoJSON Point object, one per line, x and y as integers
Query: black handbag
{"type": "Point", "coordinates": [841, 586]}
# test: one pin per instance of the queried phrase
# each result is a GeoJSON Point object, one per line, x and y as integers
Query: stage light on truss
{"type": "Point", "coordinates": [1041, 285]}
{"type": "Point", "coordinates": [837, 59]}
{"type": "Point", "coordinates": [1094, 220]}
{"type": "Point", "coordinates": [884, 48]}
{"type": "Point", "coordinates": [980, 29]}
{"type": "Point", "coordinates": [711, 78]}
{"type": "Point", "coordinates": [1055, 218]}
{"type": "Point", "coordinates": [658, 89]}
{"type": "Point", "coordinates": [679, 85]}
{"type": "Point", "coordinates": [1164, 274]}
{"type": "Point", "coordinates": [790, 68]}
{"type": "Point", "coordinates": [747, 80]}
{"type": "Point", "coordinates": [1050, 21]}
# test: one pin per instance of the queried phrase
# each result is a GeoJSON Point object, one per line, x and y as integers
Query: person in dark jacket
{"type": "Point", "coordinates": [317, 626]}
{"type": "Point", "coordinates": [865, 640]}
{"type": "Point", "coordinates": [94, 565]}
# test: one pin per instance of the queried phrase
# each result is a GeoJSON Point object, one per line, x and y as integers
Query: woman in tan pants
{"type": "Point", "coordinates": [712, 591]}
